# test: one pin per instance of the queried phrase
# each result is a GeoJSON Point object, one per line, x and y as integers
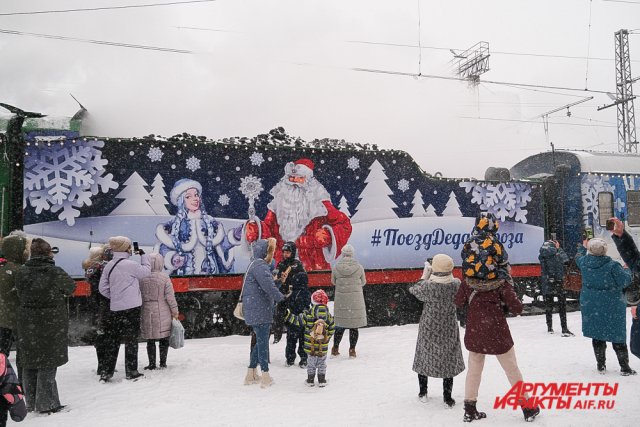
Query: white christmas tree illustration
{"type": "Point", "coordinates": [344, 206]}
{"type": "Point", "coordinates": [430, 211]}
{"type": "Point", "coordinates": [453, 207]}
{"type": "Point", "coordinates": [158, 197]}
{"type": "Point", "coordinates": [375, 202]}
{"type": "Point", "coordinates": [135, 198]}
{"type": "Point", "coordinates": [418, 205]}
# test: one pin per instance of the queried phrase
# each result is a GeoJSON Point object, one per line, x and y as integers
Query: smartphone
{"type": "Point", "coordinates": [587, 233]}
{"type": "Point", "coordinates": [610, 224]}
{"type": "Point", "coordinates": [135, 247]}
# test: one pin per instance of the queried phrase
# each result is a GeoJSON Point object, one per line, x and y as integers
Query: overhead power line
{"type": "Point", "coordinates": [533, 121]}
{"type": "Point", "coordinates": [100, 42]}
{"type": "Point", "coordinates": [93, 9]}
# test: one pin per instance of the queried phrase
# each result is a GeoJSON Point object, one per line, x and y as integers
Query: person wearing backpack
{"type": "Point", "coordinates": [552, 263]}
{"type": "Point", "coordinates": [318, 328]}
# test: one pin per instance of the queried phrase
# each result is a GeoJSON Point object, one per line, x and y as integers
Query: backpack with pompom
{"type": "Point", "coordinates": [319, 335]}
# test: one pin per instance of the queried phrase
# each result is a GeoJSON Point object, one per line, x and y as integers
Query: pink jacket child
{"type": "Point", "coordinates": [12, 400]}
{"type": "Point", "coordinates": [159, 306]}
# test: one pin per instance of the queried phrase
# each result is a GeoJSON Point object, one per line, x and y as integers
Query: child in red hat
{"type": "Point", "coordinates": [318, 329]}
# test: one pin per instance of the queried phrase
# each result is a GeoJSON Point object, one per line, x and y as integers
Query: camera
{"type": "Point", "coordinates": [610, 225]}
{"type": "Point", "coordinates": [136, 248]}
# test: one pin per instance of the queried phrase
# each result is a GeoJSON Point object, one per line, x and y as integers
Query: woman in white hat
{"type": "Point", "coordinates": [194, 242]}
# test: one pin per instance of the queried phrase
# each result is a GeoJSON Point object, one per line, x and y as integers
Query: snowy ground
{"type": "Point", "coordinates": [203, 385]}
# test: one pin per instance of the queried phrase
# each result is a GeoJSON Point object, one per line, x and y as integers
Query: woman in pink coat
{"type": "Point", "coordinates": [158, 307]}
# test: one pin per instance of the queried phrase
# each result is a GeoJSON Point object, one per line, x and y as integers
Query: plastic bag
{"type": "Point", "coordinates": [176, 339]}
{"type": "Point", "coordinates": [238, 312]}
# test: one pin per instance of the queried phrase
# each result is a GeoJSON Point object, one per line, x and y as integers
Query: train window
{"type": "Point", "coordinates": [633, 207]}
{"type": "Point", "coordinates": [605, 207]}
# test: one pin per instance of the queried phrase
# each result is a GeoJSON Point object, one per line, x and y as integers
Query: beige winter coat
{"type": "Point", "coordinates": [349, 308]}
{"type": "Point", "coordinates": [158, 302]}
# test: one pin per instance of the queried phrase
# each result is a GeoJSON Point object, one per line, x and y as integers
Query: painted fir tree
{"type": "Point", "coordinates": [158, 197]}
{"type": "Point", "coordinates": [344, 206]}
{"type": "Point", "coordinates": [135, 198]}
{"type": "Point", "coordinates": [453, 207]}
{"type": "Point", "coordinates": [430, 211]}
{"type": "Point", "coordinates": [375, 202]}
{"type": "Point", "coordinates": [418, 205]}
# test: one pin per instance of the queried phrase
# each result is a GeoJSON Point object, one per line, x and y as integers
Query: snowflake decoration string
{"type": "Point", "coordinates": [223, 200]}
{"type": "Point", "coordinates": [256, 159]}
{"type": "Point", "coordinates": [504, 200]}
{"type": "Point", "coordinates": [193, 163]}
{"type": "Point", "coordinates": [155, 154]}
{"type": "Point", "coordinates": [64, 177]}
{"type": "Point", "coordinates": [403, 185]}
{"type": "Point", "coordinates": [353, 163]}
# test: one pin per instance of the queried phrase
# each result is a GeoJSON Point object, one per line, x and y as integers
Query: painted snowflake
{"type": "Point", "coordinates": [256, 159]}
{"type": "Point", "coordinates": [504, 200]}
{"type": "Point", "coordinates": [155, 154]}
{"type": "Point", "coordinates": [64, 177]}
{"type": "Point", "coordinates": [193, 163]}
{"type": "Point", "coordinates": [403, 185]}
{"type": "Point", "coordinates": [353, 163]}
{"type": "Point", "coordinates": [223, 200]}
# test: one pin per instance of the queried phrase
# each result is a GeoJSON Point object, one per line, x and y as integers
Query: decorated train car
{"type": "Point", "coordinates": [200, 203]}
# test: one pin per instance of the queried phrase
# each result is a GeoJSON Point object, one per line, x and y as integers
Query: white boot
{"type": "Point", "coordinates": [252, 377]}
{"type": "Point", "coordinates": [266, 380]}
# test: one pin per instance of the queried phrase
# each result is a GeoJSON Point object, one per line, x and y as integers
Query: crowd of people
{"type": "Point", "coordinates": [132, 300]}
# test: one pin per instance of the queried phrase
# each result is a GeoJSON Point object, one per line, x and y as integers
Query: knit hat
{"type": "Point", "coordinates": [119, 243]}
{"type": "Point", "coordinates": [487, 222]}
{"type": "Point", "coordinates": [597, 247]}
{"type": "Point", "coordinates": [347, 250]}
{"type": "Point", "coordinates": [320, 297]}
{"type": "Point", "coordinates": [181, 186]}
{"type": "Point", "coordinates": [442, 266]}
{"type": "Point", "coordinates": [95, 256]}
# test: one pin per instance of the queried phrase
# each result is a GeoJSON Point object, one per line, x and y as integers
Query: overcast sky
{"type": "Point", "coordinates": [258, 64]}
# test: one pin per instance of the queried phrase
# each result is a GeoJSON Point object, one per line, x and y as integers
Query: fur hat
{"type": "Point", "coordinates": [119, 243]}
{"type": "Point", "coordinates": [320, 297]}
{"type": "Point", "coordinates": [96, 254]}
{"type": "Point", "coordinates": [347, 250]}
{"type": "Point", "coordinates": [597, 247]}
{"type": "Point", "coordinates": [442, 266]}
{"type": "Point", "coordinates": [181, 186]}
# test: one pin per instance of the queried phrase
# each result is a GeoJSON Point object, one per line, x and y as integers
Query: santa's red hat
{"type": "Point", "coordinates": [320, 297]}
{"type": "Point", "coordinates": [303, 167]}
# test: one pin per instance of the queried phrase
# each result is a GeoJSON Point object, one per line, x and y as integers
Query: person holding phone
{"type": "Point", "coordinates": [625, 244]}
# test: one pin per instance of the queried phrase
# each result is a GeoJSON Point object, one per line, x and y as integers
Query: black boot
{"type": "Point", "coordinates": [471, 413]}
{"type": "Point", "coordinates": [447, 387]}
{"type": "Point", "coordinates": [134, 375]}
{"type": "Point", "coordinates": [164, 352]}
{"type": "Point", "coordinates": [600, 351]}
{"type": "Point", "coordinates": [423, 382]}
{"type": "Point", "coordinates": [530, 413]}
{"type": "Point", "coordinates": [321, 380]}
{"type": "Point", "coordinates": [623, 358]}
{"type": "Point", "coordinates": [151, 354]}
{"type": "Point", "coordinates": [310, 380]}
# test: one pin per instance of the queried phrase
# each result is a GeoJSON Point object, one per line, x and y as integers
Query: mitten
{"type": "Point", "coordinates": [323, 237]}
{"type": "Point", "coordinates": [426, 272]}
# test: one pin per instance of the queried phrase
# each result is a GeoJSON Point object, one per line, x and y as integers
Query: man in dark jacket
{"type": "Point", "coordinates": [43, 325]}
{"type": "Point", "coordinates": [288, 267]}
{"type": "Point", "coordinates": [15, 251]}
{"type": "Point", "coordinates": [552, 261]}
{"type": "Point", "coordinates": [297, 302]}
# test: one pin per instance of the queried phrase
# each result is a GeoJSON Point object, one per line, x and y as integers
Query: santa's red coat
{"type": "Point", "coordinates": [309, 250]}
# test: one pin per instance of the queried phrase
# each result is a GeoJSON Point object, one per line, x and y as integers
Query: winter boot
{"type": "Point", "coordinates": [164, 352]}
{"type": "Point", "coordinates": [530, 413]}
{"type": "Point", "coordinates": [266, 380]}
{"type": "Point", "coordinates": [567, 333]}
{"type": "Point", "coordinates": [600, 351]}
{"type": "Point", "coordinates": [352, 353]}
{"type": "Point", "coordinates": [623, 358]}
{"type": "Point", "coordinates": [423, 382]}
{"type": "Point", "coordinates": [252, 377]}
{"type": "Point", "coordinates": [322, 382]}
{"type": "Point", "coordinates": [447, 388]}
{"type": "Point", "coordinates": [151, 354]}
{"type": "Point", "coordinates": [549, 322]}
{"type": "Point", "coordinates": [105, 378]}
{"type": "Point", "coordinates": [134, 375]}
{"type": "Point", "coordinates": [310, 382]}
{"type": "Point", "coordinates": [334, 351]}
{"type": "Point", "coordinates": [471, 413]}
{"type": "Point", "coordinates": [303, 363]}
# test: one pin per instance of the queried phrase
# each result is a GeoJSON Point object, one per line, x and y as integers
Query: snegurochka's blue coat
{"type": "Point", "coordinates": [602, 300]}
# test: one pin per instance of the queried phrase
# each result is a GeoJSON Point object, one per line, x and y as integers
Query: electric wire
{"type": "Point", "coordinates": [586, 77]}
{"type": "Point", "coordinates": [93, 9]}
{"type": "Point", "coordinates": [498, 119]}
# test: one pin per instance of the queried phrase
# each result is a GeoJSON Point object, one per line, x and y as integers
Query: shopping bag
{"type": "Point", "coordinates": [237, 312]}
{"type": "Point", "coordinates": [176, 339]}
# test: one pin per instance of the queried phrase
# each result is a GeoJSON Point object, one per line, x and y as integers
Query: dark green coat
{"type": "Point", "coordinates": [13, 251]}
{"type": "Point", "coordinates": [43, 317]}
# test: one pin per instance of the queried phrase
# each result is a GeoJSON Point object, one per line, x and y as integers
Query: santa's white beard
{"type": "Point", "coordinates": [296, 206]}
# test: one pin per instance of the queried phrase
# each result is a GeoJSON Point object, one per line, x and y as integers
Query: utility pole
{"type": "Point", "coordinates": [627, 142]}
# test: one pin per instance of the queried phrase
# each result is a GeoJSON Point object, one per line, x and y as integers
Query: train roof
{"type": "Point", "coordinates": [544, 164]}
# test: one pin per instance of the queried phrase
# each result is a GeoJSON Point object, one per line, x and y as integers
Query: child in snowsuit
{"type": "Point", "coordinates": [483, 256]}
{"type": "Point", "coordinates": [318, 328]}
{"type": "Point", "coordinates": [12, 400]}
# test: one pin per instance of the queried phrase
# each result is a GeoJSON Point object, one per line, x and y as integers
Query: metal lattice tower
{"type": "Point", "coordinates": [473, 62]}
{"type": "Point", "coordinates": [627, 142]}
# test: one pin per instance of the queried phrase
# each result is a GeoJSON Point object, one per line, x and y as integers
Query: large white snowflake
{"type": "Point", "coordinates": [155, 154]}
{"type": "Point", "coordinates": [256, 159]}
{"type": "Point", "coordinates": [504, 200]}
{"type": "Point", "coordinates": [353, 163]}
{"type": "Point", "coordinates": [403, 185]}
{"type": "Point", "coordinates": [592, 185]}
{"type": "Point", "coordinates": [193, 163]}
{"type": "Point", "coordinates": [64, 177]}
{"type": "Point", "coordinates": [224, 200]}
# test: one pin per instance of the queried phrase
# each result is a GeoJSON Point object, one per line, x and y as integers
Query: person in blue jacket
{"type": "Point", "coordinates": [552, 262]}
{"type": "Point", "coordinates": [603, 304]}
{"type": "Point", "coordinates": [259, 296]}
